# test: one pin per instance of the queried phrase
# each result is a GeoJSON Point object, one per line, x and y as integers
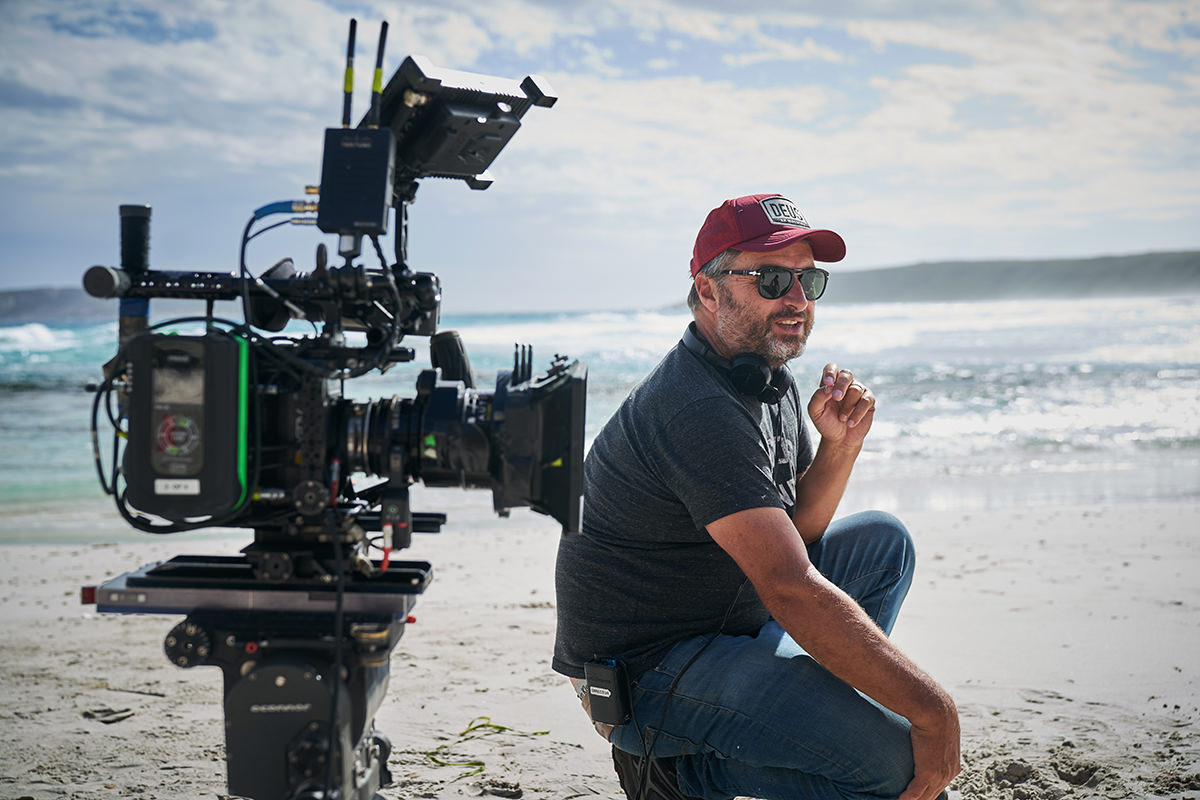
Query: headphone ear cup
{"type": "Point", "coordinates": [781, 379]}
{"type": "Point", "coordinates": [750, 374]}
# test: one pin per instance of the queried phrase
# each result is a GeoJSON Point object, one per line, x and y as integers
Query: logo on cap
{"type": "Point", "coordinates": [781, 211]}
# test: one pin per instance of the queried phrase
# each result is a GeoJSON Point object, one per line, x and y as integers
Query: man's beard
{"type": "Point", "coordinates": [744, 332]}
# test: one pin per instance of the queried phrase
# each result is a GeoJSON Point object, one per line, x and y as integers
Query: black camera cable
{"type": "Point", "coordinates": [383, 262]}
{"type": "Point", "coordinates": [382, 352]}
{"type": "Point", "coordinates": [244, 273]}
{"type": "Point", "coordinates": [104, 394]}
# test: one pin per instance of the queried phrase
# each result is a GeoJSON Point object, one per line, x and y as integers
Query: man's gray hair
{"type": "Point", "coordinates": [714, 269]}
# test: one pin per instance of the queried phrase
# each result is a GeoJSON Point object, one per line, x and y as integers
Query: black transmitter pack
{"type": "Point", "coordinates": [186, 454]}
{"type": "Point", "coordinates": [356, 181]}
{"type": "Point", "coordinates": [608, 691]}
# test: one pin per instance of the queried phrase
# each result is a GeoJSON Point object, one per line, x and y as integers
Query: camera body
{"type": "Point", "coordinates": [222, 431]}
{"type": "Point", "coordinates": [245, 425]}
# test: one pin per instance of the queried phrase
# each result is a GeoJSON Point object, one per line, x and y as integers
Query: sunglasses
{"type": "Point", "coordinates": [775, 282]}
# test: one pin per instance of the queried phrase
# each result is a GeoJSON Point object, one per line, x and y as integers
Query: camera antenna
{"type": "Point", "coordinates": [349, 83]}
{"type": "Point", "coordinates": [377, 85]}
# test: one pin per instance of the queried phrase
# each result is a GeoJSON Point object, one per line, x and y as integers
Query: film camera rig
{"type": "Point", "coordinates": [232, 428]}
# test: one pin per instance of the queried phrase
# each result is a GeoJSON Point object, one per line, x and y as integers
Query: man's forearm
{"type": "Point", "coordinates": [843, 639]}
{"type": "Point", "coordinates": [835, 631]}
{"type": "Point", "coordinates": [820, 489]}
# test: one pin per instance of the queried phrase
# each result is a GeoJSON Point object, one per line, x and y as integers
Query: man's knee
{"type": "Point", "coordinates": [894, 539]}
{"type": "Point", "coordinates": [878, 538]}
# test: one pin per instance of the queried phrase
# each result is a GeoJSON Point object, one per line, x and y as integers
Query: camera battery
{"type": "Point", "coordinates": [608, 691]}
{"type": "Point", "coordinates": [186, 452]}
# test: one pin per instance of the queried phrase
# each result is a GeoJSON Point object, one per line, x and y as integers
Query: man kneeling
{"type": "Point", "coordinates": [753, 627]}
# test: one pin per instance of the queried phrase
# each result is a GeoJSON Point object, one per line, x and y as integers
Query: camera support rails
{"type": "Point", "coordinates": [280, 651]}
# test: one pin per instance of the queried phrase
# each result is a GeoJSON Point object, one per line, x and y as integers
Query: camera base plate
{"type": "Point", "coordinates": [186, 583]}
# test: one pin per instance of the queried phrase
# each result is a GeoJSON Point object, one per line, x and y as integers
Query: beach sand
{"type": "Point", "coordinates": [1070, 639]}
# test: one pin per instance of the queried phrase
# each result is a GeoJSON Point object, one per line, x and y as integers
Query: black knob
{"type": "Point", "coordinates": [187, 645]}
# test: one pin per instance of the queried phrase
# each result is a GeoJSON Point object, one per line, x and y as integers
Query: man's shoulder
{"type": "Point", "coordinates": [680, 378]}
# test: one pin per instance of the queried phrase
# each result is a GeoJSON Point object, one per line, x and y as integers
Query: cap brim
{"type": "Point", "coordinates": [826, 245]}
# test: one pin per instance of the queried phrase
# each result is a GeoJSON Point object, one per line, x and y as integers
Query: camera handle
{"type": "Point", "coordinates": [134, 313]}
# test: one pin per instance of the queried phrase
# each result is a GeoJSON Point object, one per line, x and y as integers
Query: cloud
{"type": "Point", "coordinates": [971, 118]}
{"type": "Point", "coordinates": [118, 20]}
{"type": "Point", "coordinates": [15, 95]}
{"type": "Point", "coordinates": [1082, 108]}
{"type": "Point", "coordinates": [769, 48]}
{"type": "Point", "coordinates": [525, 29]}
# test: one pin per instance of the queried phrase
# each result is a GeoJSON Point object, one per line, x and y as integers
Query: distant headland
{"type": "Point", "coordinates": [965, 281]}
{"type": "Point", "coordinates": [948, 281]}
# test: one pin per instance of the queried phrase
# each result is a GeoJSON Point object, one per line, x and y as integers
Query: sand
{"type": "Point", "coordinates": [1070, 639]}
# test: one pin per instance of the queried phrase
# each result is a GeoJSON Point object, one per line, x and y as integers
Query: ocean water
{"type": "Point", "coordinates": [981, 405]}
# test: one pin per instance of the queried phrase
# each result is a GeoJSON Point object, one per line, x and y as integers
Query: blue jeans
{"type": "Point", "coordinates": [757, 716]}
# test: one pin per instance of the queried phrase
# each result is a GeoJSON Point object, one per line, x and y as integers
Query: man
{"type": "Point", "coordinates": [753, 627]}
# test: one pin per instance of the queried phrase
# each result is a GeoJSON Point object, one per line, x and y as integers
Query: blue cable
{"type": "Point", "coordinates": [285, 207]}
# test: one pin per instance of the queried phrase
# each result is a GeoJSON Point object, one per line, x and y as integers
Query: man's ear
{"type": "Point", "coordinates": [706, 290]}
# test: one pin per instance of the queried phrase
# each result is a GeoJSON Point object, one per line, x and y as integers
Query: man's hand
{"type": "Point", "coordinates": [842, 408]}
{"type": "Point", "coordinates": [936, 758]}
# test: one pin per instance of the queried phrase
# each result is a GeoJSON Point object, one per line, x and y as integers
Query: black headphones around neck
{"type": "Point", "coordinates": [748, 372]}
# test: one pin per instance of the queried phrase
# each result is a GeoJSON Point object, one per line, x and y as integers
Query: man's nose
{"type": "Point", "coordinates": [795, 296]}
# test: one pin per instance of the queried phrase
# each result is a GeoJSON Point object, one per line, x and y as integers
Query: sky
{"type": "Point", "coordinates": [921, 130]}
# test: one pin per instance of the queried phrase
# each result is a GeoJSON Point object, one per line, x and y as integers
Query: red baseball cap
{"type": "Point", "coordinates": [761, 223]}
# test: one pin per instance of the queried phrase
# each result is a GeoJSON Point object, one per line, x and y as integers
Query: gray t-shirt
{"type": "Point", "coordinates": [684, 449]}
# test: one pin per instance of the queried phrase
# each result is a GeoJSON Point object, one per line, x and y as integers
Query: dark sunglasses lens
{"type": "Point", "coordinates": [812, 281]}
{"type": "Point", "coordinates": [774, 282]}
